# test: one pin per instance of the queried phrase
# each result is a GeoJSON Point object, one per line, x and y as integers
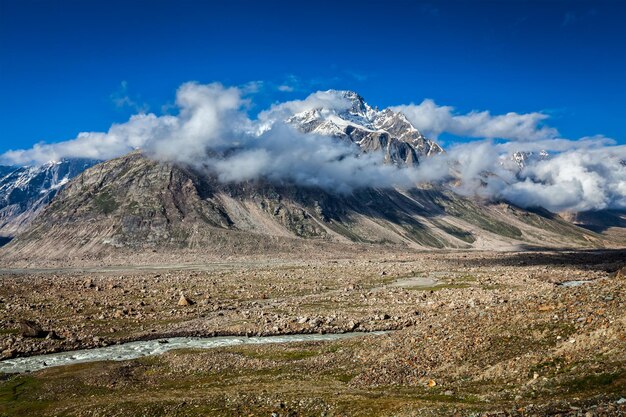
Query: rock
{"type": "Point", "coordinates": [185, 301]}
{"type": "Point", "coordinates": [30, 328]}
{"type": "Point", "coordinates": [352, 324]}
{"type": "Point", "coordinates": [431, 383]}
{"type": "Point", "coordinates": [9, 353]}
{"type": "Point", "coordinates": [52, 335]}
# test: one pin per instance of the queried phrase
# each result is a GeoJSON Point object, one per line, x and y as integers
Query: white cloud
{"type": "Point", "coordinates": [121, 98]}
{"type": "Point", "coordinates": [578, 179]}
{"type": "Point", "coordinates": [286, 88]}
{"type": "Point", "coordinates": [211, 120]}
{"type": "Point", "coordinates": [557, 144]}
{"type": "Point", "coordinates": [209, 117]}
{"type": "Point", "coordinates": [120, 139]}
{"type": "Point", "coordinates": [433, 120]}
{"type": "Point", "coordinates": [252, 87]}
{"type": "Point", "coordinates": [282, 154]}
{"type": "Point", "coordinates": [321, 99]}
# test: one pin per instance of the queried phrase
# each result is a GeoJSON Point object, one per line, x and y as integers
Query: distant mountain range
{"type": "Point", "coordinates": [78, 207]}
{"type": "Point", "coordinates": [137, 204]}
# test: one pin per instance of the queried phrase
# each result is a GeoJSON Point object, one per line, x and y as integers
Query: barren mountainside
{"type": "Point", "coordinates": [136, 203]}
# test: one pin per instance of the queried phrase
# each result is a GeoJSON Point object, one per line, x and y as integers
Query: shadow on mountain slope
{"type": "Point", "coordinates": [600, 221]}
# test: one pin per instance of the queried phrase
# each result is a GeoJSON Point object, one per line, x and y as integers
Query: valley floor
{"type": "Point", "coordinates": [472, 333]}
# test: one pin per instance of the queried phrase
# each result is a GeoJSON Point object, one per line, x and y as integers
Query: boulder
{"type": "Point", "coordinates": [52, 335]}
{"type": "Point", "coordinates": [185, 301]}
{"type": "Point", "coordinates": [353, 324]}
{"type": "Point", "coordinates": [29, 328]}
{"type": "Point", "coordinates": [9, 353]}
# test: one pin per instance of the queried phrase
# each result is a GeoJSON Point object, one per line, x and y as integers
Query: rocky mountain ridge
{"type": "Point", "coordinates": [371, 129]}
{"type": "Point", "coordinates": [137, 204]}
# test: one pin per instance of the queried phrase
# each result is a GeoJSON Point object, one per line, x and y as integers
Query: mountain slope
{"type": "Point", "coordinates": [609, 223]}
{"type": "Point", "coordinates": [25, 191]}
{"type": "Point", "coordinates": [136, 204]}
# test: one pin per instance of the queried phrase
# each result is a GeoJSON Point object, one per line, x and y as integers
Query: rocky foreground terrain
{"type": "Point", "coordinates": [470, 333]}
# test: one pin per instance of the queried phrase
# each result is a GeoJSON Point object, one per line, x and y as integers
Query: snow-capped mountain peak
{"type": "Point", "coordinates": [523, 159]}
{"type": "Point", "coordinates": [371, 129]}
{"type": "Point", "coordinates": [24, 191]}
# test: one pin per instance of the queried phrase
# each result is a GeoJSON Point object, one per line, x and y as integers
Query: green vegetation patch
{"type": "Point", "coordinates": [105, 203]}
{"type": "Point", "coordinates": [471, 214]}
{"type": "Point", "coordinates": [457, 232]}
{"type": "Point", "coordinates": [280, 355]}
{"type": "Point", "coordinates": [605, 382]}
{"type": "Point", "coordinates": [18, 396]}
{"type": "Point", "coordinates": [419, 234]}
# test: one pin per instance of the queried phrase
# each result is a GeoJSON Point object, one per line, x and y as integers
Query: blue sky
{"type": "Point", "coordinates": [71, 66]}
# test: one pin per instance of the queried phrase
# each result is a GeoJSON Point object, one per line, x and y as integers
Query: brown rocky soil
{"type": "Point", "coordinates": [474, 333]}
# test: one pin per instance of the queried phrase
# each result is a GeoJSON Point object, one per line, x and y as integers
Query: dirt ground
{"type": "Point", "coordinates": [472, 333]}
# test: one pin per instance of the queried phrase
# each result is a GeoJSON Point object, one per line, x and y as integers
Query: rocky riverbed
{"type": "Point", "coordinates": [477, 332]}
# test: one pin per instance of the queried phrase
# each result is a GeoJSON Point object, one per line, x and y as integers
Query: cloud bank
{"type": "Point", "coordinates": [581, 178]}
{"type": "Point", "coordinates": [434, 120]}
{"type": "Point", "coordinates": [212, 130]}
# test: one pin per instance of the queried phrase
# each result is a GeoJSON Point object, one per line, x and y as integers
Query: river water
{"type": "Point", "coordinates": [132, 350]}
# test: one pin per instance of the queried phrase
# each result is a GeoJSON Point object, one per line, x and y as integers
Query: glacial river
{"type": "Point", "coordinates": [132, 350]}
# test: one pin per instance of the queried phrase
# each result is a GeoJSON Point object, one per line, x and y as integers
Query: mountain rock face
{"type": "Point", "coordinates": [137, 204]}
{"type": "Point", "coordinates": [372, 130]}
{"type": "Point", "coordinates": [24, 191]}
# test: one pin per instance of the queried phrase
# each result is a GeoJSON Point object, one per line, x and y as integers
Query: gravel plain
{"type": "Point", "coordinates": [470, 333]}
